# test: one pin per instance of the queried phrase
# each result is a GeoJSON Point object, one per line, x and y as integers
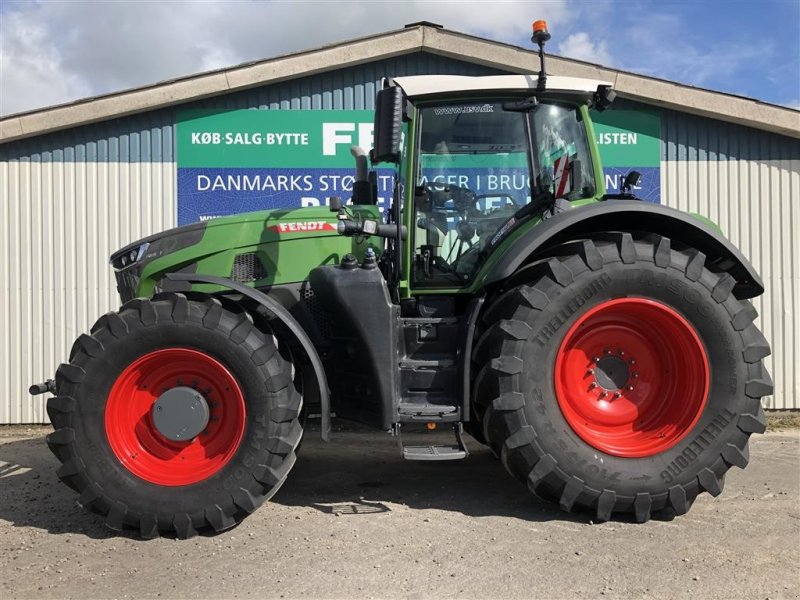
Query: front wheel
{"type": "Point", "coordinates": [175, 415]}
{"type": "Point", "coordinates": [626, 378]}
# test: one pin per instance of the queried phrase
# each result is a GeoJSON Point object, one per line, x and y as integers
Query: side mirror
{"type": "Point", "coordinates": [388, 125]}
{"type": "Point", "coordinates": [632, 179]}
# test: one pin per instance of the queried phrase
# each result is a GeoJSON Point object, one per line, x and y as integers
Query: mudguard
{"type": "Point", "coordinates": [631, 216]}
{"type": "Point", "coordinates": [279, 312]}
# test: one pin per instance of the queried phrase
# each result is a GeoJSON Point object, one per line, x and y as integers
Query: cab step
{"type": "Point", "coordinates": [426, 409]}
{"type": "Point", "coordinates": [433, 453]}
{"type": "Point", "coordinates": [455, 451]}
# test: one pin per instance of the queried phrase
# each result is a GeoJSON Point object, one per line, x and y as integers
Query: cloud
{"type": "Point", "coordinates": [580, 46]}
{"type": "Point", "coordinates": [31, 69]}
{"type": "Point", "coordinates": [56, 52]}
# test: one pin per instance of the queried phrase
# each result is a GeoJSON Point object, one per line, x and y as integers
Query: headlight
{"type": "Point", "coordinates": [129, 257]}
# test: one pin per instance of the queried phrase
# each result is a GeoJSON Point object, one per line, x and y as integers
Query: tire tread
{"type": "Point", "coordinates": [499, 399]}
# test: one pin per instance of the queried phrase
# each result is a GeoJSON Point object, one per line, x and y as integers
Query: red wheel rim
{"type": "Point", "coordinates": [631, 377]}
{"type": "Point", "coordinates": [134, 438]}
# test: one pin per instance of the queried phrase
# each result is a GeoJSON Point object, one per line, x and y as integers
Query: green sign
{"type": "Point", "coordinates": [628, 138]}
{"type": "Point", "coordinates": [272, 138]}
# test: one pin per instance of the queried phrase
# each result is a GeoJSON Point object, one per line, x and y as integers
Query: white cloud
{"type": "Point", "coordinates": [31, 70]}
{"type": "Point", "coordinates": [56, 52]}
{"type": "Point", "coordinates": [581, 47]}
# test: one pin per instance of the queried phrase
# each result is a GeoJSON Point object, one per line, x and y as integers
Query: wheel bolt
{"type": "Point", "coordinates": [602, 395]}
{"type": "Point", "coordinates": [630, 388]}
{"type": "Point", "coordinates": [617, 395]}
{"type": "Point", "coordinates": [596, 359]}
{"type": "Point", "coordinates": [636, 376]}
{"type": "Point", "coordinates": [622, 352]}
{"type": "Point", "coordinates": [592, 385]}
{"type": "Point", "coordinates": [590, 372]}
{"type": "Point", "coordinates": [608, 351]}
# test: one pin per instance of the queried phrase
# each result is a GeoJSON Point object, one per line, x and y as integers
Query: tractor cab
{"type": "Point", "coordinates": [481, 154]}
{"type": "Point", "coordinates": [475, 158]}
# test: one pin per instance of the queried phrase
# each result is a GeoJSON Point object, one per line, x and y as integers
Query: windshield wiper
{"type": "Point", "coordinates": [526, 105]}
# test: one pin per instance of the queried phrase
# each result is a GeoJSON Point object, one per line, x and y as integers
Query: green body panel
{"type": "Point", "coordinates": [289, 243]}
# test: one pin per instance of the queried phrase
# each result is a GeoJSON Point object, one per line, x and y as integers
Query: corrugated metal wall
{"type": "Point", "coordinates": [67, 200]}
{"type": "Point", "coordinates": [747, 181]}
{"type": "Point", "coordinates": [59, 223]}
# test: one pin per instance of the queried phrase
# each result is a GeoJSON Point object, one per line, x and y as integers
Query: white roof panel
{"type": "Point", "coordinates": [426, 85]}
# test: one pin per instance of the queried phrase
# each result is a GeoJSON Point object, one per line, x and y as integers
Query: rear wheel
{"type": "Point", "coordinates": [626, 378]}
{"type": "Point", "coordinates": [174, 416]}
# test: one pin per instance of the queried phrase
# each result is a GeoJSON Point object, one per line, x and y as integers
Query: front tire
{"type": "Point", "coordinates": [135, 469]}
{"type": "Point", "coordinates": [573, 418]}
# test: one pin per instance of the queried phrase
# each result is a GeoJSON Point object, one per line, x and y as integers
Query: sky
{"type": "Point", "coordinates": [52, 52]}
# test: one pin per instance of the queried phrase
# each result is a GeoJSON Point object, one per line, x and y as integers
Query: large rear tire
{"type": "Point", "coordinates": [135, 469]}
{"type": "Point", "coordinates": [624, 378]}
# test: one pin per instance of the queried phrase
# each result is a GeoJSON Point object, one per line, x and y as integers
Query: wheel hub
{"type": "Point", "coordinates": [611, 373]}
{"type": "Point", "coordinates": [180, 414]}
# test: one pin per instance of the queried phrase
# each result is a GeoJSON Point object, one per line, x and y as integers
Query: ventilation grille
{"type": "Point", "coordinates": [318, 312]}
{"type": "Point", "coordinates": [247, 267]}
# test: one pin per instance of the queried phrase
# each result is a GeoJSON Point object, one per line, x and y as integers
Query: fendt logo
{"type": "Point", "coordinates": [302, 226]}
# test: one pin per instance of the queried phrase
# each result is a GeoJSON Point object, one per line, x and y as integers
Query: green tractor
{"type": "Point", "coordinates": [602, 347]}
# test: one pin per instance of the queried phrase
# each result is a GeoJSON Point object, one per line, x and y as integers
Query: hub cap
{"type": "Point", "coordinates": [175, 416]}
{"type": "Point", "coordinates": [631, 377]}
{"type": "Point", "coordinates": [180, 414]}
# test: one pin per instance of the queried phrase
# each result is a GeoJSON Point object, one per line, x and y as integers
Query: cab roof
{"type": "Point", "coordinates": [429, 85]}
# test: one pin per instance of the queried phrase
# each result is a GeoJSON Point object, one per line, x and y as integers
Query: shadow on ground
{"type": "Point", "coordinates": [359, 472]}
{"type": "Point", "coordinates": [32, 496]}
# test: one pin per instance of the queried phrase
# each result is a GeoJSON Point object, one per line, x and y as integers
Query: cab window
{"type": "Point", "coordinates": [474, 173]}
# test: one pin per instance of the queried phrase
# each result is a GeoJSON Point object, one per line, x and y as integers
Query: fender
{"type": "Point", "coordinates": [630, 215]}
{"type": "Point", "coordinates": [279, 312]}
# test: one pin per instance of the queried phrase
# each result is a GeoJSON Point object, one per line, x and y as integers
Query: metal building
{"type": "Point", "coordinates": [81, 180]}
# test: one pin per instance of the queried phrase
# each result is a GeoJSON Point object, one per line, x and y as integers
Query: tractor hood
{"type": "Point", "coordinates": [306, 222]}
{"type": "Point", "coordinates": [239, 247]}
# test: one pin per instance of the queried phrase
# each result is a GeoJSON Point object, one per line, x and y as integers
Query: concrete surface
{"type": "Point", "coordinates": [355, 521]}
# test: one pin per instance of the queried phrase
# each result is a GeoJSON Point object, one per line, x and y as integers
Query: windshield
{"type": "Point", "coordinates": [474, 174]}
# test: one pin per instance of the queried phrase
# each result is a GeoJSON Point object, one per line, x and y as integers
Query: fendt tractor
{"type": "Point", "coordinates": [602, 347]}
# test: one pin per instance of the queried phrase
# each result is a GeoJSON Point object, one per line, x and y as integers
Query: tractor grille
{"type": "Point", "coordinates": [127, 283]}
{"type": "Point", "coordinates": [247, 267]}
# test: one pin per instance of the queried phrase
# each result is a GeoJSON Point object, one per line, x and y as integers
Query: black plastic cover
{"type": "Point", "coordinates": [363, 369]}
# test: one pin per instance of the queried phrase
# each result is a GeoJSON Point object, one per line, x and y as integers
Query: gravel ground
{"type": "Point", "coordinates": [356, 521]}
